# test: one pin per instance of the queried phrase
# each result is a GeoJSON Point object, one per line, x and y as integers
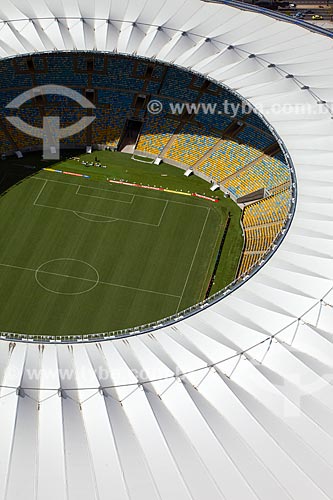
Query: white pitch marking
{"type": "Point", "coordinates": [103, 198]}
{"type": "Point", "coordinates": [95, 215]}
{"type": "Point", "coordinates": [137, 195]}
{"type": "Point", "coordinates": [193, 259]}
{"type": "Point", "coordinates": [162, 215]}
{"type": "Point", "coordinates": [87, 213]}
{"type": "Point", "coordinates": [40, 192]}
{"type": "Point", "coordinates": [89, 280]}
{"type": "Point", "coordinates": [78, 214]}
{"type": "Point", "coordinates": [40, 271]}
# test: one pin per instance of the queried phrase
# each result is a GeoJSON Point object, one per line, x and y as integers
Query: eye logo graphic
{"type": "Point", "coordinates": [51, 133]}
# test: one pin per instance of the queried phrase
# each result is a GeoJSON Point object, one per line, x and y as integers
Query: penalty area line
{"type": "Point", "coordinates": [40, 192]}
{"type": "Point", "coordinates": [78, 193]}
{"type": "Point", "coordinates": [192, 204]}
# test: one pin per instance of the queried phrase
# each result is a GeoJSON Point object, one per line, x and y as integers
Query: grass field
{"type": "Point", "coordinates": [82, 255]}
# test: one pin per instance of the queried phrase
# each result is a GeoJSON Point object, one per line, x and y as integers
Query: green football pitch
{"type": "Point", "coordinates": [81, 256]}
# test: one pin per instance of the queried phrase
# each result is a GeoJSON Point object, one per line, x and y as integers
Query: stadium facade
{"type": "Point", "coordinates": [232, 403]}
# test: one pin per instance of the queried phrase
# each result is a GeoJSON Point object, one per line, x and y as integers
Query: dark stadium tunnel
{"type": "Point", "coordinates": [14, 170]}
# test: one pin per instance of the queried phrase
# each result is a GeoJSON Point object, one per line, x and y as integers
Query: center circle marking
{"type": "Point", "coordinates": [93, 282]}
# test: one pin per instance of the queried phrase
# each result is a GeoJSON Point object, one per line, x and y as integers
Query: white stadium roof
{"type": "Point", "coordinates": [236, 402]}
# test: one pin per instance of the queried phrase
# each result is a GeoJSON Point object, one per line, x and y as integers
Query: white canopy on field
{"type": "Point", "coordinates": [236, 402]}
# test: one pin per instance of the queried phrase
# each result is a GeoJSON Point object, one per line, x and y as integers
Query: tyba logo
{"type": "Point", "coordinates": [51, 133]}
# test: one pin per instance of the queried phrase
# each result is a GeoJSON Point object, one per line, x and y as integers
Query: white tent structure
{"type": "Point", "coordinates": [235, 402]}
